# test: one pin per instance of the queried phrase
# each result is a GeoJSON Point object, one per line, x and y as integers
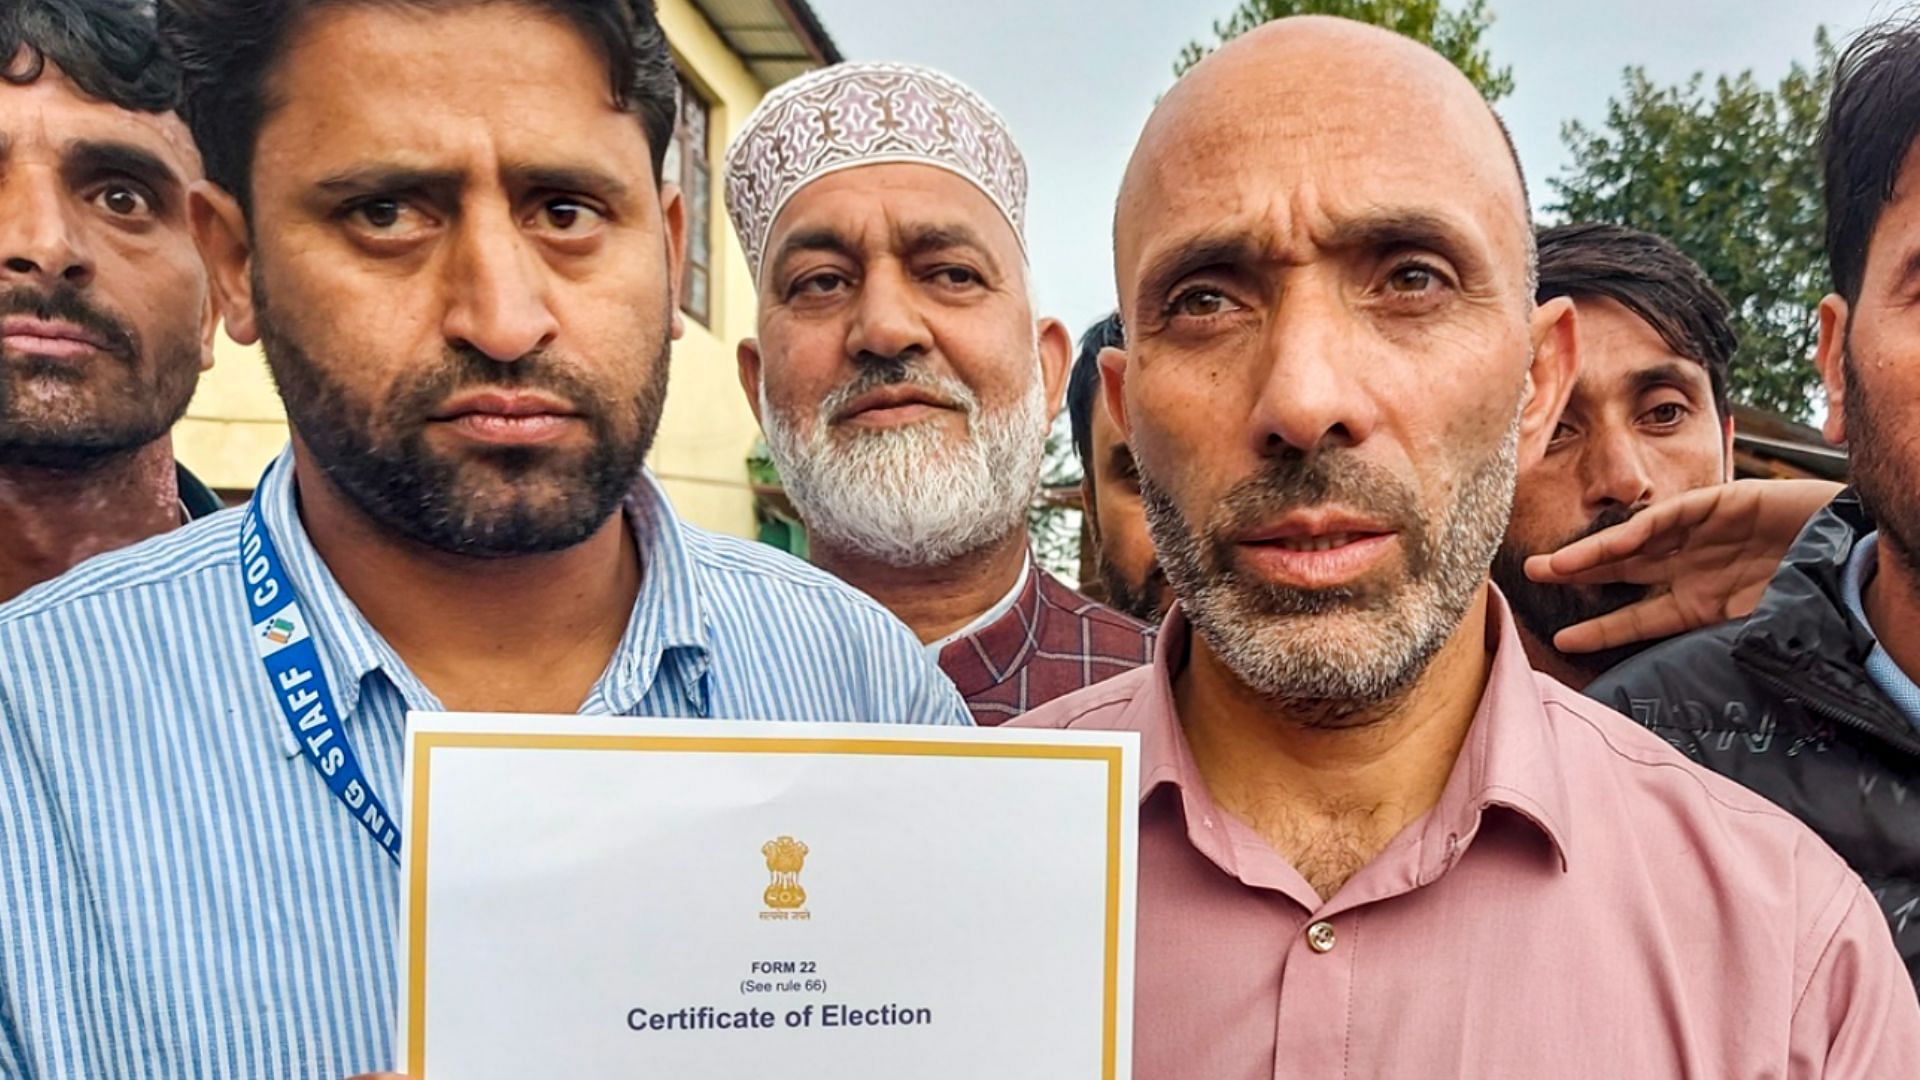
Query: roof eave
{"type": "Point", "coordinates": [807, 24]}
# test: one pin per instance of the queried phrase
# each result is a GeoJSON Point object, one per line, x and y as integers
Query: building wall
{"type": "Point", "coordinates": [235, 424]}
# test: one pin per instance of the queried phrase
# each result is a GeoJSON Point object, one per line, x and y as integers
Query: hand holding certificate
{"type": "Point", "coordinates": [616, 897]}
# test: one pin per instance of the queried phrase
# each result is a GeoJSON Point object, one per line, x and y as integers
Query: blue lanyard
{"type": "Point", "coordinates": [280, 635]}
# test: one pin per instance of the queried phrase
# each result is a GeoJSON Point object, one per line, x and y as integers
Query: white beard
{"type": "Point", "coordinates": [913, 496]}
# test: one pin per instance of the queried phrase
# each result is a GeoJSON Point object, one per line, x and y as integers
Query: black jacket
{"type": "Point", "coordinates": [1782, 703]}
{"type": "Point", "coordinates": [196, 498]}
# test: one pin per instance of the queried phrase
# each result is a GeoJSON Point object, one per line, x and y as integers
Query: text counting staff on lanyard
{"type": "Point", "coordinates": [443, 224]}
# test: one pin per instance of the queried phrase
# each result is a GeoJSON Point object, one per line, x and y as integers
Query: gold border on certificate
{"type": "Point", "coordinates": [425, 743]}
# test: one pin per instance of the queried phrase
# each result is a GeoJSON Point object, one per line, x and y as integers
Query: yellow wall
{"type": "Point", "coordinates": [235, 424]}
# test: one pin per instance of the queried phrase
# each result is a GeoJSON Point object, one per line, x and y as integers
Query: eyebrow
{"type": "Point", "coordinates": [1384, 231]}
{"type": "Point", "coordinates": [367, 179]}
{"type": "Point", "coordinates": [1217, 247]}
{"type": "Point", "coordinates": [87, 159]}
{"type": "Point", "coordinates": [1404, 229]}
{"type": "Point", "coordinates": [586, 179]}
{"type": "Point", "coordinates": [805, 240]}
{"type": "Point", "coordinates": [1670, 373]}
{"type": "Point", "coordinates": [391, 177]}
{"type": "Point", "coordinates": [920, 240]}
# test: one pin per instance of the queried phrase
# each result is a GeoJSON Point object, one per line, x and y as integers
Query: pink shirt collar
{"type": "Point", "coordinates": [1507, 762]}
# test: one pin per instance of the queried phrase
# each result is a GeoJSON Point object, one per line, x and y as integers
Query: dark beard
{"type": "Point", "coordinates": [120, 422]}
{"type": "Point", "coordinates": [1124, 598]}
{"type": "Point", "coordinates": [1885, 482]}
{"type": "Point", "coordinates": [379, 458]}
{"type": "Point", "coordinates": [1544, 610]}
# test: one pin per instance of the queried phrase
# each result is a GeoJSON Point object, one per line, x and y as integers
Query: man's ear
{"type": "Point", "coordinates": [1726, 448]}
{"type": "Point", "coordinates": [209, 327]}
{"type": "Point", "coordinates": [1556, 365]}
{"type": "Point", "coordinates": [748, 356]}
{"type": "Point", "coordinates": [1830, 356]}
{"type": "Point", "coordinates": [220, 232]}
{"type": "Point", "coordinates": [1113, 390]}
{"type": "Point", "coordinates": [673, 219]}
{"type": "Point", "coordinates": [1055, 346]}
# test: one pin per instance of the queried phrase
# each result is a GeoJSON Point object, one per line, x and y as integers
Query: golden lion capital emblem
{"type": "Point", "coordinates": [785, 857]}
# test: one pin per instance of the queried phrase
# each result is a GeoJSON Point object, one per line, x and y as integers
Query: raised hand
{"type": "Point", "coordinates": [1711, 552]}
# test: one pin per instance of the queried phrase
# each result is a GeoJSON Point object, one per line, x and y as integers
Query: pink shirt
{"type": "Point", "coordinates": [1582, 902]}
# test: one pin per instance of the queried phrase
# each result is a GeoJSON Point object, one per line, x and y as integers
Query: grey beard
{"type": "Point", "coordinates": [1340, 657]}
{"type": "Point", "coordinates": [913, 497]}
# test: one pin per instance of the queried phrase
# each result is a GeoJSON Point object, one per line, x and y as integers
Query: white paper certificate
{"type": "Point", "coordinates": [606, 897]}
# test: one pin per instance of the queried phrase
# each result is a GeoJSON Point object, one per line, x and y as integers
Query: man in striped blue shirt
{"type": "Point", "coordinates": [444, 225]}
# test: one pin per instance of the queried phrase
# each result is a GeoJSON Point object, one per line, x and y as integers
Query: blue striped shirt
{"type": "Point", "coordinates": [181, 895]}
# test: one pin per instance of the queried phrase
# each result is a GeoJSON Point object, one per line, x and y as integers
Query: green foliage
{"type": "Point", "coordinates": [1731, 175]}
{"type": "Point", "coordinates": [1055, 530]}
{"type": "Point", "coordinates": [1455, 35]}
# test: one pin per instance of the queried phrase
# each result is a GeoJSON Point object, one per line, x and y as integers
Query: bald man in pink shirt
{"type": "Point", "coordinates": [1373, 842]}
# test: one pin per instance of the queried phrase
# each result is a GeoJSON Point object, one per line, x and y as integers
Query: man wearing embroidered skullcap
{"type": "Point", "coordinates": [902, 376]}
{"type": "Point", "coordinates": [445, 225]}
{"type": "Point", "coordinates": [1373, 841]}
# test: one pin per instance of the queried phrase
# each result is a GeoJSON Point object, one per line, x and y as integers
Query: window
{"type": "Point", "coordinates": [687, 165]}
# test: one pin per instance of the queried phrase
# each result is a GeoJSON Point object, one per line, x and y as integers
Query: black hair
{"type": "Point", "coordinates": [1083, 385]}
{"type": "Point", "coordinates": [1650, 277]}
{"type": "Point", "coordinates": [1872, 119]}
{"type": "Point", "coordinates": [227, 49]}
{"type": "Point", "coordinates": [108, 48]}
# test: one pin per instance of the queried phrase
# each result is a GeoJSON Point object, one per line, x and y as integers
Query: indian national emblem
{"type": "Point", "coordinates": [785, 856]}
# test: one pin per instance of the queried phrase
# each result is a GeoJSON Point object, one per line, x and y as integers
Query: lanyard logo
{"type": "Point", "coordinates": [278, 631]}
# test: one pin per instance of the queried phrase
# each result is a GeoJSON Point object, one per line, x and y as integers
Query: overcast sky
{"type": "Point", "coordinates": [1076, 79]}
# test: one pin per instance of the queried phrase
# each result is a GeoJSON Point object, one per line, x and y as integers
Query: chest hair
{"type": "Point", "coordinates": [1326, 843]}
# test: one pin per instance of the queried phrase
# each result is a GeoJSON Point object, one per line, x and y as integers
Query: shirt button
{"type": "Point", "coordinates": [1320, 937]}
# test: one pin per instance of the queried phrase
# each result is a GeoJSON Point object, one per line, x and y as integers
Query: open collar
{"type": "Point", "coordinates": [669, 629]}
{"type": "Point", "coordinates": [1510, 759]}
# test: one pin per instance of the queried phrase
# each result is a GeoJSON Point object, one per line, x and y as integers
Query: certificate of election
{"type": "Point", "coordinates": [611, 897]}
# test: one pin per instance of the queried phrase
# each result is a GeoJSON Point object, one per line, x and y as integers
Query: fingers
{"type": "Point", "coordinates": [1648, 620]}
{"type": "Point", "coordinates": [1632, 570]}
{"type": "Point", "coordinates": [1660, 530]}
{"type": "Point", "coordinates": [1608, 546]}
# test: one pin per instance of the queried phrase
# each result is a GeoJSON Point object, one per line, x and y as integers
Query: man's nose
{"type": "Point", "coordinates": [499, 301]}
{"type": "Point", "coordinates": [1615, 470]}
{"type": "Point", "coordinates": [886, 322]}
{"type": "Point", "coordinates": [1310, 395]}
{"type": "Point", "coordinates": [41, 243]}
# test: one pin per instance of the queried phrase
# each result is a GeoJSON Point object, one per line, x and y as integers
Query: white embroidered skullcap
{"type": "Point", "coordinates": [849, 115]}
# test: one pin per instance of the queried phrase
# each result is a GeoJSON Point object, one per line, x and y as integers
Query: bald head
{"type": "Point", "coordinates": [1324, 258]}
{"type": "Point", "coordinates": [1311, 100]}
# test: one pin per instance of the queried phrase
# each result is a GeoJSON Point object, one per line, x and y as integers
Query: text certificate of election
{"type": "Point", "coordinates": [606, 897]}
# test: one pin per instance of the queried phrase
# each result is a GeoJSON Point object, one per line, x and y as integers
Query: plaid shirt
{"type": "Point", "coordinates": [1051, 642]}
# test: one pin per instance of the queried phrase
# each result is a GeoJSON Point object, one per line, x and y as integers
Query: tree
{"type": "Point", "coordinates": [1455, 35]}
{"type": "Point", "coordinates": [1055, 529]}
{"type": "Point", "coordinates": [1732, 177]}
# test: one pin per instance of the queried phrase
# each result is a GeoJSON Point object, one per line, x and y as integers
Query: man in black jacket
{"type": "Point", "coordinates": [1811, 700]}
